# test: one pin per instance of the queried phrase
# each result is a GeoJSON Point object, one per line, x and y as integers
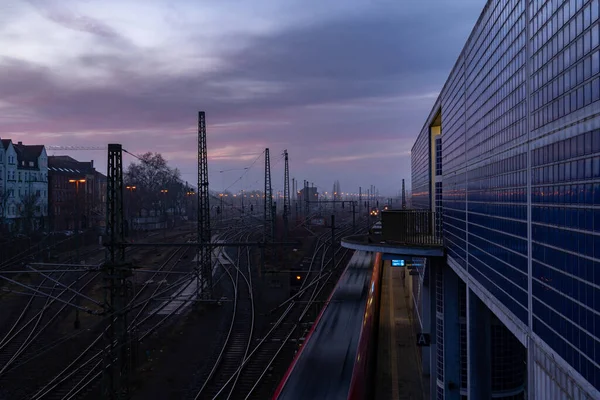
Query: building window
{"type": "Point", "coordinates": [31, 163]}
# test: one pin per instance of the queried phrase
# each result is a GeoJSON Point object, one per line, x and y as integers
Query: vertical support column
{"type": "Point", "coordinates": [269, 226]}
{"type": "Point", "coordinates": [333, 241]}
{"type": "Point", "coordinates": [428, 309]}
{"type": "Point", "coordinates": [353, 217]}
{"type": "Point", "coordinates": [204, 259]}
{"type": "Point", "coordinates": [479, 333]}
{"type": "Point", "coordinates": [403, 196]}
{"type": "Point", "coordinates": [451, 336]}
{"type": "Point", "coordinates": [360, 200]}
{"type": "Point", "coordinates": [286, 194]}
{"type": "Point", "coordinates": [530, 390]}
{"type": "Point", "coordinates": [117, 355]}
{"type": "Point", "coordinates": [268, 233]}
{"type": "Point", "coordinates": [434, 270]}
{"type": "Point", "coordinates": [294, 194]}
{"type": "Point", "coordinates": [306, 204]}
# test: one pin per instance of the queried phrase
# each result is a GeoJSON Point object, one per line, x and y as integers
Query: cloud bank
{"type": "Point", "coordinates": [343, 86]}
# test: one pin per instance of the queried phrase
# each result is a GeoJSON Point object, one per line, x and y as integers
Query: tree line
{"type": "Point", "coordinates": [151, 184]}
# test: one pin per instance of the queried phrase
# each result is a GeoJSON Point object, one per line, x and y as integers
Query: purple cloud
{"type": "Point", "coordinates": [348, 92]}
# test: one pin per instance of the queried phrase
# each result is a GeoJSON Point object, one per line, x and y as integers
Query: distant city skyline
{"type": "Point", "coordinates": [342, 85]}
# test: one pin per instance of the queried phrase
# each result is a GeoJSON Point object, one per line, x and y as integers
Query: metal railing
{"type": "Point", "coordinates": [412, 227]}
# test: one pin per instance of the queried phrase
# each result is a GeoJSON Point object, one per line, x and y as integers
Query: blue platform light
{"type": "Point", "coordinates": [397, 263]}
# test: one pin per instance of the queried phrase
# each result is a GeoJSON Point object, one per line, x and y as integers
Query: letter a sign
{"type": "Point", "coordinates": [423, 339]}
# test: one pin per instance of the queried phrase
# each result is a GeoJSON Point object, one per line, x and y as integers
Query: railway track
{"type": "Point", "coordinates": [80, 377]}
{"type": "Point", "coordinates": [239, 335]}
{"type": "Point", "coordinates": [249, 377]}
{"type": "Point", "coordinates": [32, 333]}
{"type": "Point", "coordinates": [243, 369]}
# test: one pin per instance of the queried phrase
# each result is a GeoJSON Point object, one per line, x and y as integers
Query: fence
{"type": "Point", "coordinates": [411, 227]}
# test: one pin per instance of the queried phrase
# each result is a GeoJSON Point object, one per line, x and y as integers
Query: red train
{"type": "Point", "coordinates": [338, 357]}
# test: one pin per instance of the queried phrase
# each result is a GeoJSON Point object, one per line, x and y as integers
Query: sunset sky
{"type": "Point", "coordinates": [344, 85]}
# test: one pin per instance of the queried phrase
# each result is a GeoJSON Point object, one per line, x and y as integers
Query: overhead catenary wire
{"type": "Point", "coordinates": [245, 171]}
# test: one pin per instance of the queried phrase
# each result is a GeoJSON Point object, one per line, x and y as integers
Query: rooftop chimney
{"type": "Point", "coordinates": [92, 163]}
{"type": "Point", "coordinates": [20, 143]}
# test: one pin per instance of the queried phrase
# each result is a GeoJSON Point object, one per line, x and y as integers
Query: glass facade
{"type": "Point", "coordinates": [421, 170]}
{"type": "Point", "coordinates": [520, 122]}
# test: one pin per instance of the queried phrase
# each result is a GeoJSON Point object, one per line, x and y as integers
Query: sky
{"type": "Point", "coordinates": [343, 85]}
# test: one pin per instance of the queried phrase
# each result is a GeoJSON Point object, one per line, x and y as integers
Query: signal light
{"type": "Point", "coordinates": [298, 277]}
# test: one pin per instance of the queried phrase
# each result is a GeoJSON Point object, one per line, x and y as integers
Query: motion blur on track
{"type": "Point", "coordinates": [337, 359]}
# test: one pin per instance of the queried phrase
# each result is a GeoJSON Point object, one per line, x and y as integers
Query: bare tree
{"type": "Point", "coordinates": [27, 211]}
{"type": "Point", "coordinates": [4, 196]}
{"type": "Point", "coordinates": [156, 183]}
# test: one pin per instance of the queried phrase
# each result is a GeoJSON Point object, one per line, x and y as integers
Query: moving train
{"type": "Point", "coordinates": [337, 360]}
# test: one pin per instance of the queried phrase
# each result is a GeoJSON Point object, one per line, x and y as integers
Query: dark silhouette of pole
{"type": "Point", "coordinates": [286, 194]}
{"type": "Point", "coordinates": [76, 323]}
{"type": "Point", "coordinates": [203, 259]}
{"type": "Point", "coordinates": [165, 191]}
{"type": "Point", "coordinates": [360, 200]}
{"type": "Point", "coordinates": [269, 226]}
{"type": "Point", "coordinates": [353, 217]}
{"type": "Point", "coordinates": [118, 353]}
{"type": "Point", "coordinates": [333, 241]}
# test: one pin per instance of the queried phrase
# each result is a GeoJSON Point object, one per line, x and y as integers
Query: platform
{"type": "Point", "coordinates": [398, 374]}
{"type": "Point", "coordinates": [374, 243]}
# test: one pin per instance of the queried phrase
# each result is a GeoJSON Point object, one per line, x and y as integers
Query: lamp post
{"type": "Point", "coordinates": [165, 191]}
{"type": "Point", "coordinates": [221, 206]}
{"type": "Point", "coordinates": [189, 193]}
{"type": "Point", "coordinates": [77, 182]}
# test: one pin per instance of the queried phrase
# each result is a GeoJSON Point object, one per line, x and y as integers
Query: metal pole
{"type": "Point", "coordinates": [76, 324]}
{"type": "Point", "coordinates": [332, 241]}
{"type": "Point", "coordinates": [353, 217]}
{"type": "Point", "coordinates": [77, 221]}
{"type": "Point", "coordinates": [359, 201]}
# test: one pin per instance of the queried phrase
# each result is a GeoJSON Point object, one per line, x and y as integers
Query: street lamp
{"type": "Point", "coordinates": [190, 192]}
{"type": "Point", "coordinates": [165, 191]}
{"type": "Point", "coordinates": [77, 182]}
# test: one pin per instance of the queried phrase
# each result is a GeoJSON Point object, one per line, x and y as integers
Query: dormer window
{"type": "Point", "coordinates": [31, 163]}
